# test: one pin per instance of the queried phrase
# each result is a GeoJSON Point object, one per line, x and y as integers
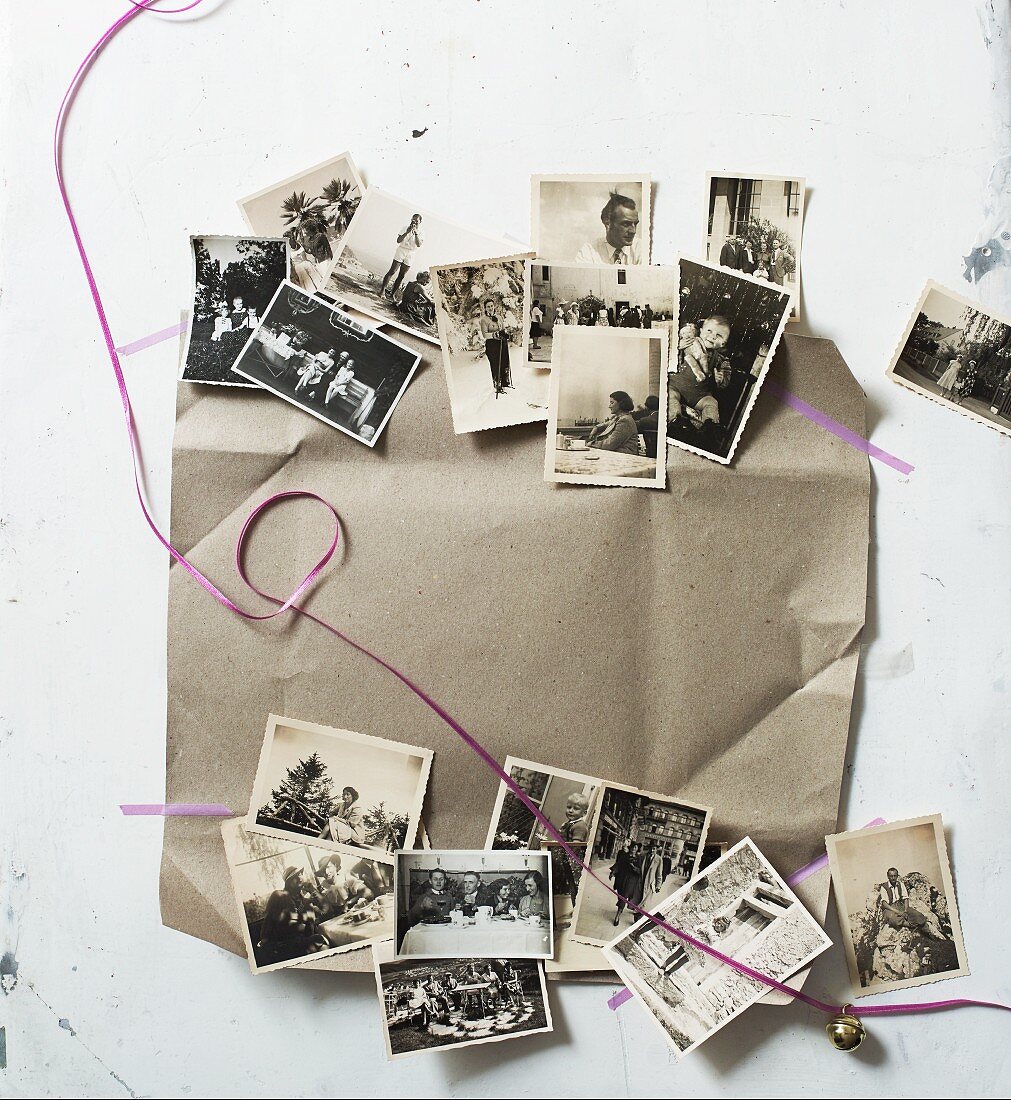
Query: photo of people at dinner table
{"type": "Point", "coordinates": [300, 901]}
{"type": "Point", "coordinates": [473, 904]}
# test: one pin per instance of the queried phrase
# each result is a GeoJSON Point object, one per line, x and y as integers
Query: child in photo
{"type": "Point", "coordinates": [691, 386]}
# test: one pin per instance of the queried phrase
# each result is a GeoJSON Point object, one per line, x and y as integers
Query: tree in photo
{"type": "Point", "coordinates": [210, 284]}
{"type": "Point", "coordinates": [385, 829]}
{"type": "Point", "coordinates": [340, 204]}
{"type": "Point", "coordinates": [307, 224]}
{"type": "Point", "coordinates": [255, 276]}
{"type": "Point", "coordinates": [303, 799]}
{"type": "Point", "coordinates": [759, 233]}
{"type": "Point", "coordinates": [465, 290]}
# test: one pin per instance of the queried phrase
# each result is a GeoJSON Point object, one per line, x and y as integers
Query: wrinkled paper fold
{"type": "Point", "coordinates": [701, 641]}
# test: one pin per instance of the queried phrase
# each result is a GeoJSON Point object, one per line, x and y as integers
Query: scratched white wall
{"type": "Point", "coordinates": [893, 112]}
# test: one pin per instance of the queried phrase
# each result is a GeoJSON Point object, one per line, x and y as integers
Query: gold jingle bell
{"type": "Point", "coordinates": [845, 1031]}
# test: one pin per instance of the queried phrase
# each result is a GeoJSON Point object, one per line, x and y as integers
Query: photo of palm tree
{"type": "Point", "coordinates": [313, 211]}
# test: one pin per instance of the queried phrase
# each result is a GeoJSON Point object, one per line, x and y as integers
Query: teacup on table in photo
{"type": "Point", "coordinates": [473, 904]}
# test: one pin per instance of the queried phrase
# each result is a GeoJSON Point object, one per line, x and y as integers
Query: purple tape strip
{"type": "Point", "coordinates": [175, 809]}
{"type": "Point", "coordinates": [623, 995]}
{"type": "Point", "coordinates": [154, 338]}
{"type": "Point", "coordinates": [615, 1002]}
{"type": "Point", "coordinates": [847, 435]}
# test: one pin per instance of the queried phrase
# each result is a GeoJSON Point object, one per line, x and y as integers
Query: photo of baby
{"type": "Point", "coordinates": [729, 325]}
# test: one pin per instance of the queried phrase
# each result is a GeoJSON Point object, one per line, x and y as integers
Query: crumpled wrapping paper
{"type": "Point", "coordinates": [701, 641]}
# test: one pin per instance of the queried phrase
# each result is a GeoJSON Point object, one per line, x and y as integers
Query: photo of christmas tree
{"type": "Point", "coordinates": [348, 790]}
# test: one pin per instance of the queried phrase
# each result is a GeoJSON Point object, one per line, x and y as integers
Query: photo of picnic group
{"type": "Point", "coordinates": [458, 1002]}
{"type": "Point", "coordinates": [300, 901]}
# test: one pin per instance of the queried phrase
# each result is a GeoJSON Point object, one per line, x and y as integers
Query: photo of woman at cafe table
{"type": "Point", "coordinates": [473, 904]}
{"type": "Point", "coordinates": [606, 404]}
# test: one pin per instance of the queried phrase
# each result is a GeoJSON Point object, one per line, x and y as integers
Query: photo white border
{"type": "Point", "coordinates": [192, 311]}
{"type": "Point", "coordinates": [583, 332]}
{"type": "Point", "coordinates": [382, 955]}
{"type": "Point", "coordinates": [764, 178]}
{"type": "Point", "coordinates": [671, 800]}
{"type": "Point", "coordinates": [534, 415]}
{"type": "Point", "coordinates": [296, 179]}
{"type": "Point", "coordinates": [746, 414]}
{"type": "Point", "coordinates": [613, 178]}
{"type": "Point", "coordinates": [506, 248]}
{"type": "Point", "coordinates": [842, 903]}
{"type": "Point", "coordinates": [230, 838]}
{"type": "Point", "coordinates": [473, 853]}
{"type": "Point", "coordinates": [904, 339]}
{"type": "Point", "coordinates": [645, 996]}
{"type": "Point", "coordinates": [261, 785]}
{"type": "Point", "coordinates": [288, 285]}
{"type": "Point", "coordinates": [539, 261]}
{"type": "Point", "coordinates": [570, 957]}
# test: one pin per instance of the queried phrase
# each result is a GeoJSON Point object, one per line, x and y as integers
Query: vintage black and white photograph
{"type": "Point", "coordinates": [448, 1003]}
{"type": "Point", "coordinates": [312, 210]}
{"type": "Point", "coordinates": [234, 280]}
{"type": "Point", "coordinates": [711, 853]}
{"type": "Point", "coordinates": [298, 901]}
{"type": "Point", "coordinates": [728, 327]}
{"type": "Point", "coordinates": [958, 355]}
{"type": "Point", "coordinates": [347, 790]}
{"type": "Point", "coordinates": [480, 311]}
{"type": "Point", "coordinates": [381, 266]}
{"type": "Point", "coordinates": [314, 356]}
{"type": "Point", "coordinates": [646, 846]}
{"type": "Point", "coordinates": [591, 219]}
{"type": "Point", "coordinates": [755, 226]}
{"type": "Point", "coordinates": [568, 800]}
{"type": "Point", "coordinates": [595, 295]}
{"type": "Point", "coordinates": [608, 393]}
{"type": "Point", "coordinates": [897, 906]}
{"type": "Point", "coordinates": [474, 904]}
{"type": "Point", "coordinates": [741, 907]}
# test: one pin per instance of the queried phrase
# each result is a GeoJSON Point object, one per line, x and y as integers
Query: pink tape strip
{"type": "Point", "coordinates": [847, 435]}
{"type": "Point", "coordinates": [623, 995]}
{"type": "Point", "coordinates": [154, 338]}
{"type": "Point", "coordinates": [175, 809]}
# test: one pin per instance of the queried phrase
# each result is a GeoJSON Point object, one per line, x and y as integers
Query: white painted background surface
{"type": "Point", "coordinates": [894, 113]}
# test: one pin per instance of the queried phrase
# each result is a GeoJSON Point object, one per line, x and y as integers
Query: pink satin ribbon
{"type": "Point", "coordinates": [290, 603]}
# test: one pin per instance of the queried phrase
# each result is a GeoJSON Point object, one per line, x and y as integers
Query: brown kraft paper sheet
{"type": "Point", "coordinates": [700, 641]}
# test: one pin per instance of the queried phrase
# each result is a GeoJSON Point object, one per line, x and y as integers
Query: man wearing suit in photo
{"type": "Point", "coordinates": [730, 254]}
{"type": "Point", "coordinates": [777, 264]}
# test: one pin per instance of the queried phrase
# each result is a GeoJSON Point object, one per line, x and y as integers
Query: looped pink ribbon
{"type": "Point", "coordinates": [291, 604]}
